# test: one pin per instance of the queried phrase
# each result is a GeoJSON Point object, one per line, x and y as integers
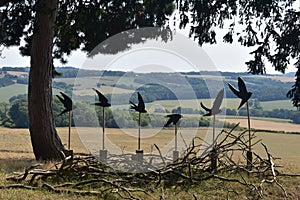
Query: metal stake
{"type": "Point", "coordinates": [214, 131]}
{"type": "Point", "coordinates": [103, 128]}
{"type": "Point", "coordinates": [69, 136]}
{"type": "Point", "coordinates": [249, 125]}
{"type": "Point", "coordinates": [176, 137]}
{"type": "Point", "coordinates": [139, 132]}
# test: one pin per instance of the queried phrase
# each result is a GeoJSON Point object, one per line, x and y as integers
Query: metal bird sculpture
{"type": "Point", "coordinates": [141, 105]}
{"type": "Point", "coordinates": [216, 105]}
{"type": "Point", "coordinates": [242, 93]}
{"type": "Point", "coordinates": [245, 96]}
{"type": "Point", "coordinates": [103, 102]}
{"type": "Point", "coordinates": [174, 118]}
{"type": "Point", "coordinates": [215, 109]}
{"type": "Point", "coordinates": [140, 108]}
{"type": "Point", "coordinates": [213, 112]}
{"type": "Point", "coordinates": [68, 104]}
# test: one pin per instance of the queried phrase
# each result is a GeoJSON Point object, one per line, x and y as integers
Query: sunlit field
{"type": "Point", "coordinates": [15, 145]}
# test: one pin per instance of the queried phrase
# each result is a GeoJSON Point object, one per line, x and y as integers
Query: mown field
{"type": "Point", "coordinates": [15, 143]}
{"type": "Point", "coordinates": [16, 154]}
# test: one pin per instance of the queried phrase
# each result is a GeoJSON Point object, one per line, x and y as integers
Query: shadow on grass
{"type": "Point", "coordinates": [10, 165]}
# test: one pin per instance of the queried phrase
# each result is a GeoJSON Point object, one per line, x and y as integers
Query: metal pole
{"type": "Point", "coordinates": [176, 137]}
{"type": "Point", "coordinates": [139, 132]}
{"type": "Point", "coordinates": [214, 134]}
{"type": "Point", "coordinates": [69, 136]}
{"type": "Point", "coordinates": [249, 125]}
{"type": "Point", "coordinates": [103, 127]}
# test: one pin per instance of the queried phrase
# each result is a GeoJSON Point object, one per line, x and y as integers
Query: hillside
{"type": "Point", "coordinates": [162, 92]}
{"type": "Point", "coordinates": [154, 86]}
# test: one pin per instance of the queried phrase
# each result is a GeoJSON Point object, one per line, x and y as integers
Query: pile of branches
{"type": "Point", "coordinates": [86, 175]}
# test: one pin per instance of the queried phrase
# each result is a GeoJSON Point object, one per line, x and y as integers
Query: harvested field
{"type": "Point", "coordinates": [15, 144]}
{"type": "Point", "coordinates": [266, 125]}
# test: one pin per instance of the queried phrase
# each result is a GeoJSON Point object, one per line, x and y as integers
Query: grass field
{"type": "Point", "coordinates": [16, 89]}
{"type": "Point", "coordinates": [265, 124]}
{"type": "Point", "coordinates": [12, 90]}
{"type": "Point", "coordinates": [16, 154]}
{"type": "Point", "coordinates": [279, 104]}
{"type": "Point", "coordinates": [15, 143]}
{"type": "Point", "coordinates": [230, 103]}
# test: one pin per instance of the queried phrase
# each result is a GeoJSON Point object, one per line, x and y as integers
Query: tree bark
{"type": "Point", "coordinates": [45, 140]}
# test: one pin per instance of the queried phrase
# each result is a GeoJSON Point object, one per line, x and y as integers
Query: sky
{"type": "Point", "coordinates": [181, 54]}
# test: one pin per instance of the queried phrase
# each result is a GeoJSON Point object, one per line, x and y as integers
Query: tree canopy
{"type": "Point", "coordinates": [53, 29]}
{"type": "Point", "coordinates": [80, 24]}
{"type": "Point", "coordinates": [270, 27]}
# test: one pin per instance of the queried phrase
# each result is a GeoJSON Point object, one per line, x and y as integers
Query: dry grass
{"type": "Point", "coordinates": [266, 125]}
{"type": "Point", "coordinates": [16, 150]}
{"type": "Point", "coordinates": [16, 73]}
{"type": "Point", "coordinates": [16, 153]}
{"type": "Point", "coordinates": [284, 79]}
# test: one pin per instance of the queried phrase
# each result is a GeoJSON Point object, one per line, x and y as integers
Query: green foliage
{"type": "Point", "coordinates": [294, 93]}
{"type": "Point", "coordinates": [81, 24]}
{"type": "Point", "coordinates": [6, 81]}
{"type": "Point", "coordinates": [255, 24]}
{"type": "Point", "coordinates": [22, 81]}
{"type": "Point", "coordinates": [17, 98]}
{"type": "Point", "coordinates": [4, 111]}
{"type": "Point", "coordinates": [19, 114]}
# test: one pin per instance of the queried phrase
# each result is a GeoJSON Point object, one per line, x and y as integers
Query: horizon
{"type": "Point", "coordinates": [148, 72]}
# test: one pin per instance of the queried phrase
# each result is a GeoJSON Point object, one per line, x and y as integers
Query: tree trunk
{"type": "Point", "coordinates": [45, 140]}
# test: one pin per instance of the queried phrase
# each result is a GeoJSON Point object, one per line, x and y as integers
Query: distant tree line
{"type": "Point", "coordinates": [16, 69]}
{"type": "Point", "coordinates": [15, 115]}
{"type": "Point", "coordinates": [6, 81]}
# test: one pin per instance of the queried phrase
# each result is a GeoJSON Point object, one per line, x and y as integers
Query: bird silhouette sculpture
{"type": "Point", "coordinates": [245, 96]}
{"type": "Point", "coordinates": [141, 105]}
{"type": "Point", "coordinates": [103, 102]}
{"type": "Point", "coordinates": [67, 102]}
{"type": "Point", "coordinates": [173, 118]}
{"type": "Point", "coordinates": [213, 112]}
{"type": "Point", "coordinates": [216, 105]}
{"type": "Point", "coordinates": [242, 93]}
{"type": "Point", "coordinates": [141, 109]}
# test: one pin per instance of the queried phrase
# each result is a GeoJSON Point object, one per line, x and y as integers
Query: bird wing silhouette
{"type": "Point", "coordinates": [173, 118]}
{"type": "Point", "coordinates": [141, 104]}
{"type": "Point", "coordinates": [64, 111]}
{"type": "Point", "coordinates": [242, 86]}
{"type": "Point", "coordinates": [168, 122]}
{"type": "Point", "coordinates": [237, 93]}
{"type": "Point", "coordinates": [218, 101]}
{"type": "Point", "coordinates": [133, 106]}
{"type": "Point", "coordinates": [204, 107]}
{"type": "Point", "coordinates": [67, 101]}
{"type": "Point", "coordinates": [101, 97]}
{"type": "Point", "coordinates": [60, 99]}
